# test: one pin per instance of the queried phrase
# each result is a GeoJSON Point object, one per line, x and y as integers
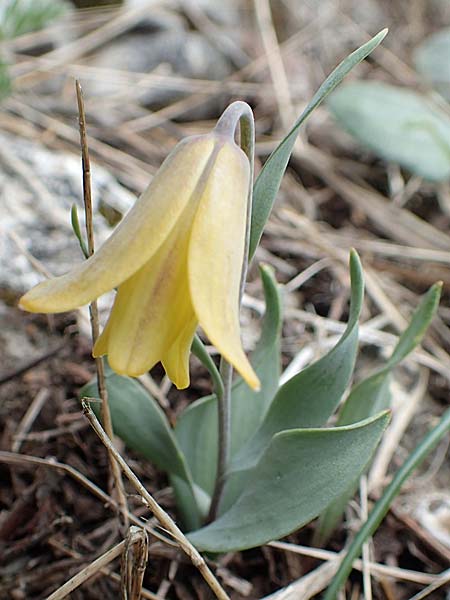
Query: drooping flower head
{"type": "Point", "coordinates": [176, 259]}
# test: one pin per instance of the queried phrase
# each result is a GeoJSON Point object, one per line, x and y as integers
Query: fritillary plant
{"type": "Point", "coordinates": [255, 460]}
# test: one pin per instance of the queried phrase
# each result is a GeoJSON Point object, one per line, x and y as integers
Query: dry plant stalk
{"type": "Point", "coordinates": [108, 572]}
{"type": "Point", "coordinates": [134, 563]}
{"type": "Point", "coordinates": [93, 310]}
{"type": "Point", "coordinates": [93, 568]}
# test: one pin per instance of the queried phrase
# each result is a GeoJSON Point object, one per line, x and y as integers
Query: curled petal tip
{"type": "Point", "coordinates": [27, 303]}
{"type": "Point", "coordinates": [22, 305]}
{"type": "Point", "coordinates": [181, 385]}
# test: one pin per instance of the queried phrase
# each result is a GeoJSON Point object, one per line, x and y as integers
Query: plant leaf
{"type": "Point", "coordinates": [301, 472]}
{"type": "Point", "coordinates": [140, 422]}
{"type": "Point", "coordinates": [397, 124]}
{"type": "Point", "coordinates": [268, 182]}
{"type": "Point", "coordinates": [309, 398]}
{"type": "Point", "coordinates": [432, 61]}
{"type": "Point", "coordinates": [380, 509]}
{"type": "Point", "coordinates": [192, 502]}
{"type": "Point", "coordinates": [373, 395]}
{"type": "Point", "coordinates": [77, 230]}
{"type": "Point", "coordinates": [196, 428]}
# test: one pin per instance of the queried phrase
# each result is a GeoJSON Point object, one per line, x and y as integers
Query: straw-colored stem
{"type": "Point", "coordinates": [93, 309]}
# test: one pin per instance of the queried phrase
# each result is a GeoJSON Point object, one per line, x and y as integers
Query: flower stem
{"type": "Point", "coordinates": [237, 113]}
{"type": "Point", "coordinates": [224, 437]}
{"type": "Point", "coordinates": [93, 310]}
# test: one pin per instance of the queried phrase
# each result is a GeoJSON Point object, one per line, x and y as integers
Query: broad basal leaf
{"type": "Point", "coordinates": [432, 60]}
{"type": "Point", "coordinates": [192, 502]}
{"type": "Point", "coordinates": [140, 422]}
{"type": "Point", "coordinates": [269, 179]}
{"type": "Point", "coordinates": [300, 473]}
{"type": "Point", "coordinates": [397, 124]}
{"type": "Point", "coordinates": [196, 428]}
{"type": "Point", "coordinates": [309, 398]}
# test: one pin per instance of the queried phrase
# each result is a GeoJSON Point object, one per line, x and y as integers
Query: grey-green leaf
{"type": "Point", "coordinates": [140, 422]}
{"type": "Point", "coordinates": [309, 398]}
{"type": "Point", "coordinates": [380, 509]}
{"type": "Point", "coordinates": [397, 124]}
{"type": "Point", "coordinates": [269, 180]}
{"type": "Point", "coordinates": [432, 60]}
{"type": "Point", "coordinates": [301, 472]}
{"type": "Point", "coordinates": [196, 429]}
{"type": "Point", "coordinates": [192, 502]}
{"type": "Point", "coordinates": [373, 394]}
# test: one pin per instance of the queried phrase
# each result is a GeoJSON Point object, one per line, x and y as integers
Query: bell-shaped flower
{"type": "Point", "coordinates": [176, 260]}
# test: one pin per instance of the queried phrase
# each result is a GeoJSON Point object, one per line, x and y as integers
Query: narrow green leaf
{"type": "Point", "coordinates": [382, 506]}
{"type": "Point", "coordinates": [300, 473]}
{"type": "Point", "coordinates": [397, 124]}
{"type": "Point", "coordinates": [309, 398]}
{"type": "Point", "coordinates": [77, 230]}
{"type": "Point", "coordinates": [196, 429]}
{"type": "Point", "coordinates": [269, 180]}
{"type": "Point", "coordinates": [420, 322]}
{"type": "Point", "coordinates": [373, 395]}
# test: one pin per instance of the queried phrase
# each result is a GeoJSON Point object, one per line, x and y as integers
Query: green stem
{"type": "Point", "coordinates": [224, 437]}
{"type": "Point", "coordinates": [237, 113]}
{"type": "Point", "coordinates": [382, 506]}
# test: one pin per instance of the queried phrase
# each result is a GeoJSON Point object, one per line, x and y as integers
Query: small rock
{"type": "Point", "coordinates": [42, 220]}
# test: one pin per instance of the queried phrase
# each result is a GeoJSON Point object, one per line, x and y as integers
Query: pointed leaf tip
{"type": "Point", "coordinates": [302, 471]}
{"type": "Point", "coordinates": [269, 179]}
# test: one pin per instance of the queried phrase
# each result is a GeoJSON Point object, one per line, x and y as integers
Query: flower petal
{"type": "Point", "coordinates": [176, 359]}
{"type": "Point", "coordinates": [150, 310]}
{"type": "Point", "coordinates": [135, 240]}
{"type": "Point", "coordinates": [216, 254]}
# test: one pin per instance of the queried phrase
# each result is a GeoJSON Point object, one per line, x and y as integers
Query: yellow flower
{"type": "Point", "coordinates": [176, 259]}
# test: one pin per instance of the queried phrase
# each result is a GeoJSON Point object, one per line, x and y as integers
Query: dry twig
{"type": "Point", "coordinates": [93, 310]}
